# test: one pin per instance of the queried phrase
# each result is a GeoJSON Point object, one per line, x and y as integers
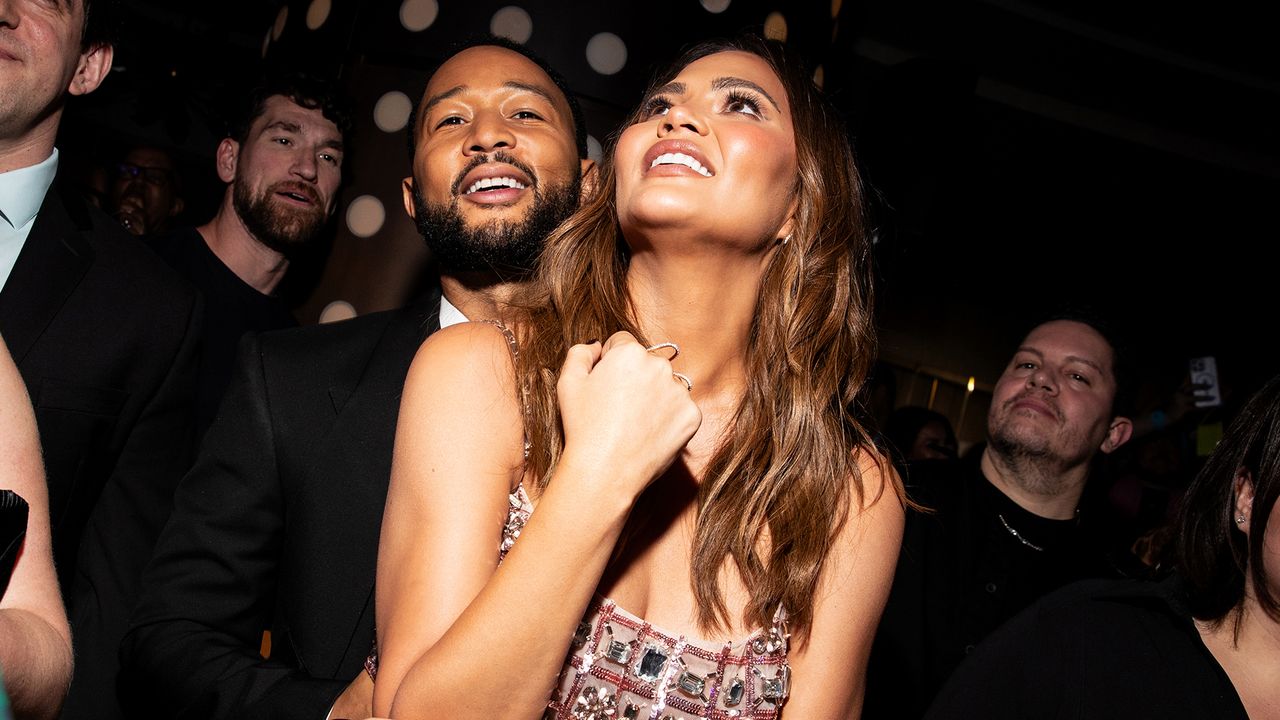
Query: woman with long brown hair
{"type": "Point", "coordinates": [687, 510]}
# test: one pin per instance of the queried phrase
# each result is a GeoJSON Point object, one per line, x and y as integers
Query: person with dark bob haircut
{"type": "Point", "coordinates": [661, 504]}
{"type": "Point", "coordinates": [1202, 643]}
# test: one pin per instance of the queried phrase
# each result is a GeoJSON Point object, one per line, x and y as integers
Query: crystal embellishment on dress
{"type": "Point", "coordinates": [734, 694]}
{"type": "Point", "coordinates": [769, 643]}
{"type": "Point", "coordinates": [774, 690]}
{"type": "Point", "coordinates": [617, 651]}
{"type": "Point", "coordinates": [582, 634]}
{"type": "Point", "coordinates": [595, 703]}
{"type": "Point", "coordinates": [652, 661]}
{"type": "Point", "coordinates": [691, 684]}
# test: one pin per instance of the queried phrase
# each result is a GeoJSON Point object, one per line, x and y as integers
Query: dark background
{"type": "Point", "coordinates": [1019, 153]}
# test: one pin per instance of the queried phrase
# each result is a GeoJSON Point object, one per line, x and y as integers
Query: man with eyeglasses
{"type": "Point", "coordinates": [146, 191]}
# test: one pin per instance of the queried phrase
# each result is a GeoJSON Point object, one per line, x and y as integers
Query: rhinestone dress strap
{"type": "Point", "coordinates": [524, 389]}
{"type": "Point", "coordinates": [518, 510]}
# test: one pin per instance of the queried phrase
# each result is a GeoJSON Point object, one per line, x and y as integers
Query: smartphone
{"type": "Point", "coordinates": [1204, 376]}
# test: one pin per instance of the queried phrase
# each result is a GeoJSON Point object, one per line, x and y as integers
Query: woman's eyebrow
{"type": "Point", "coordinates": [732, 83]}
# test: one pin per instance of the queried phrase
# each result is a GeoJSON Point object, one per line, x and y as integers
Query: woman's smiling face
{"type": "Point", "coordinates": [714, 150]}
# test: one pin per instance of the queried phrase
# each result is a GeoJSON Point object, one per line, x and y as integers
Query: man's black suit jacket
{"type": "Point", "coordinates": [277, 526]}
{"type": "Point", "coordinates": [105, 336]}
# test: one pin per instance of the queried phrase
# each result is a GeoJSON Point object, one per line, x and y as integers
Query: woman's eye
{"type": "Point", "coordinates": [742, 103]}
{"type": "Point", "coordinates": [656, 106]}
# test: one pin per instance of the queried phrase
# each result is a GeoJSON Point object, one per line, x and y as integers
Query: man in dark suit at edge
{"type": "Point", "coordinates": [103, 333]}
{"type": "Point", "coordinates": [306, 429]}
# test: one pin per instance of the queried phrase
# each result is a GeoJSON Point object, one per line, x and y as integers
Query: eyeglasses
{"type": "Point", "coordinates": [157, 176]}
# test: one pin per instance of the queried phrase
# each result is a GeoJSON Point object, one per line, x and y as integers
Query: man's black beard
{"type": "Point", "coordinates": [494, 246]}
{"type": "Point", "coordinates": [284, 230]}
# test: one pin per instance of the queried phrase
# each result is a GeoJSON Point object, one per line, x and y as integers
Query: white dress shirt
{"type": "Point", "coordinates": [22, 192]}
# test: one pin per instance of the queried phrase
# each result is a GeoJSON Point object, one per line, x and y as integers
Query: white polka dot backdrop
{"type": "Point", "coordinates": [594, 150]}
{"type": "Point", "coordinates": [282, 18]}
{"type": "Point", "coordinates": [317, 13]}
{"type": "Point", "coordinates": [391, 112]}
{"type": "Point", "coordinates": [418, 15]}
{"type": "Point", "coordinates": [715, 6]}
{"type": "Point", "coordinates": [512, 23]}
{"type": "Point", "coordinates": [606, 53]}
{"type": "Point", "coordinates": [337, 310]}
{"type": "Point", "coordinates": [266, 42]}
{"type": "Point", "coordinates": [775, 27]}
{"type": "Point", "coordinates": [365, 216]}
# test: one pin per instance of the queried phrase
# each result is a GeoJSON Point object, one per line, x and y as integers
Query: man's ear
{"type": "Point", "coordinates": [176, 207]}
{"type": "Point", "coordinates": [226, 159]}
{"type": "Point", "coordinates": [91, 69]}
{"type": "Point", "coordinates": [406, 189]}
{"type": "Point", "coordinates": [1117, 434]}
{"type": "Point", "coordinates": [590, 179]}
{"type": "Point", "coordinates": [1243, 506]}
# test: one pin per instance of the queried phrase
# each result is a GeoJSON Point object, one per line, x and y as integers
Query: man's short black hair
{"type": "Point", "coordinates": [304, 90]}
{"type": "Point", "coordinates": [575, 109]}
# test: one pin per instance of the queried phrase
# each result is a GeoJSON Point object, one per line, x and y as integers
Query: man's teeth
{"type": "Point", "coordinates": [494, 182]}
{"type": "Point", "coordinates": [680, 159]}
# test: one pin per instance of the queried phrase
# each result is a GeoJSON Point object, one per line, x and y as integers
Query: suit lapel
{"type": "Point", "coordinates": [390, 360]}
{"type": "Point", "coordinates": [367, 410]}
{"type": "Point", "coordinates": [53, 260]}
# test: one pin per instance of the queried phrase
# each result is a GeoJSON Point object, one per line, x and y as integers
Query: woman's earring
{"type": "Point", "coordinates": [1240, 519]}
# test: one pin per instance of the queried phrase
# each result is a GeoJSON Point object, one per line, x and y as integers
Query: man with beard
{"type": "Point", "coordinates": [282, 162]}
{"type": "Point", "coordinates": [999, 535]}
{"type": "Point", "coordinates": [277, 525]}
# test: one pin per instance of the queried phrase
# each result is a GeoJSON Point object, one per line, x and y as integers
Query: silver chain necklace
{"type": "Point", "coordinates": [1017, 535]}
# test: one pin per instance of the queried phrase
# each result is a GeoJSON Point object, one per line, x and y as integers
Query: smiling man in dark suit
{"type": "Point", "coordinates": [103, 333]}
{"type": "Point", "coordinates": [277, 525]}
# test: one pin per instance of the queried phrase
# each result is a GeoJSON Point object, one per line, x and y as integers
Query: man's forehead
{"type": "Point", "coordinates": [489, 67]}
{"type": "Point", "coordinates": [279, 108]}
{"type": "Point", "coordinates": [1072, 339]}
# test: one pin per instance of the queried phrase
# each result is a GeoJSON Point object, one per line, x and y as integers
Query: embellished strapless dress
{"type": "Point", "coordinates": [620, 667]}
{"type": "Point", "coordinates": [623, 668]}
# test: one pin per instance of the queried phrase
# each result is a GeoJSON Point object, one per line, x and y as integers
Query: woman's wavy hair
{"type": "Point", "coordinates": [1214, 556]}
{"type": "Point", "coordinates": [777, 490]}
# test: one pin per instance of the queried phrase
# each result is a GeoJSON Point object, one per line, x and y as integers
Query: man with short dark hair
{"type": "Point", "coordinates": [277, 525]}
{"type": "Point", "coordinates": [998, 537]}
{"type": "Point", "coordinates": [103, 333]}
{"type": "Point", "coordinates": [282, 163]}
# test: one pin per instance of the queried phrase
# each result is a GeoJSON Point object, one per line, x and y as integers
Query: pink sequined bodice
{"type": "Point", "coordinates": [621, 667]}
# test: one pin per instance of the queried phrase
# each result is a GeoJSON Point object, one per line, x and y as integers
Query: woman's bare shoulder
{"type": "Point", "coordinates": [469, 350]}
